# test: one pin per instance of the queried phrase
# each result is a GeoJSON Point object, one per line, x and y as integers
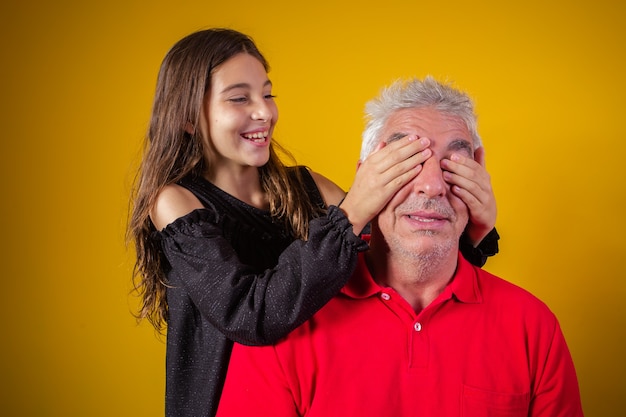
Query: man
{"type": "Point", "coordinates": [418, 331]}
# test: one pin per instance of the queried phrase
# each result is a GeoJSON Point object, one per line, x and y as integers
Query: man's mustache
{"type": "Point", "coordinates": [427, 204]}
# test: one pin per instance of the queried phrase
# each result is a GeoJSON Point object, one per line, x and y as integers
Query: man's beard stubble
{"type": "Point", "coordinates": [425, 262]}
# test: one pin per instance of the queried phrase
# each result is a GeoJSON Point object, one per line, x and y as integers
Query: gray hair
{"type": "Point", "coordinates": [415, 93]}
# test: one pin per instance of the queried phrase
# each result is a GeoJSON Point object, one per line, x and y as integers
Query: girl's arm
{"type": "Point", "coordinates": [251, 306]}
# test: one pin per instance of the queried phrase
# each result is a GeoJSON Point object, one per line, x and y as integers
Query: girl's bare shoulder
{"type": "Point", "coordinates": [172, 203]}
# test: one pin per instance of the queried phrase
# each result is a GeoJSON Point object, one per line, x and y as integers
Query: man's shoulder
{"type": "Point", "coordinates": [502, 292]}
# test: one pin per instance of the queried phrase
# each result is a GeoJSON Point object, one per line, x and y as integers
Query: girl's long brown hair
{"type": "Point", "coordinates": [170, 153]}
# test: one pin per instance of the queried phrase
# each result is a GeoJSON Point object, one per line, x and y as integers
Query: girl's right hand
{"type": "Point", "coordinates": [385, 171]}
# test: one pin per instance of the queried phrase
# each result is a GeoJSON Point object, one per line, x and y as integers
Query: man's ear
{"type": "Point", "coordinates": [189, 128]}
{"type": "Point", "coordinates": [358, 164]}
{"type": "Point", "coordinates": [479, 156]}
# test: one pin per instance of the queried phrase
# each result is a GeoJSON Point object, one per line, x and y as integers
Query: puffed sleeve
{"type": "Point", "coordinates": [259, 307]}
{"type": "Point", "coordinates": [486, 248]}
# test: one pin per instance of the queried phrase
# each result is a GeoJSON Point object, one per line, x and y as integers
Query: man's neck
{"type": "Point", "coordinates": [419, 280]}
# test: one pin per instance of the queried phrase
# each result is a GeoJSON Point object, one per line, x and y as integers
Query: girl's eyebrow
{"type": "Point", "coordinates": [243, 85]}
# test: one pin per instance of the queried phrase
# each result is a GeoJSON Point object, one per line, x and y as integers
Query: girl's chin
{"type": "Point", "coordinates": [259, 162]}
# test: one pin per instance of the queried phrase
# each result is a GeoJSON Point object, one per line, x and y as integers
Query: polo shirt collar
{"type": "Point", "coordinates": [361, 284]}
{"type": "Point", "coordinates": [464, 284]}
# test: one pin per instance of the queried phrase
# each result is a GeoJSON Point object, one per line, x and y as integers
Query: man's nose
{"type": "Point", "coordinates": [430, 180]}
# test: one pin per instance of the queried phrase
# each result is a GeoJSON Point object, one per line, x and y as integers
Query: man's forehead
{"type": "Point", "coordinates": [424, 122]}
{"type": "Point", "coordinates": [424, 116]}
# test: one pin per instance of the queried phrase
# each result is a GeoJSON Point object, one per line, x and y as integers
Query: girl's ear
{"type": "Point", "coordinates": [189, 128]}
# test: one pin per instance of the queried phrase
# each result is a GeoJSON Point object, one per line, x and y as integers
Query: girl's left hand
{"type": "Point", "coordinates": [471, 182]}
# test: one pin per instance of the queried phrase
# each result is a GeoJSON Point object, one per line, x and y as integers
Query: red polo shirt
{"type": "Point", "coordinates": [484, 347]}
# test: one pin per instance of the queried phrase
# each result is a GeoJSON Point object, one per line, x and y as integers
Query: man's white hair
{"type": "Point", "coordinates": [416, 93]}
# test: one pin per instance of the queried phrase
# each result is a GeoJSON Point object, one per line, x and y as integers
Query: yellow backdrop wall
{"type": "Point", "coordinates": [77, 80]}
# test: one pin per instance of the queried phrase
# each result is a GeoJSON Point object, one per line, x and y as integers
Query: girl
{"type": "Point", "coordinates": [231, 244]}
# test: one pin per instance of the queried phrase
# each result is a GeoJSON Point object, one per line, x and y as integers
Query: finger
{"type": "Point", "coordinates": [411, 163]}
{"type": "Point", "coordinates": [478, 190]}
{"type": "Point", "coordinates": [464, 165]}
{"type": "Point", "coordinates": [480, 211]}
{"type": "Point", "coordinates": [467, 197]}
{"type": "Point", "coordinates": [402, 148]}
{"type": "Point", "coordinates": [460, 160]}
{"type": "Point", "coordinates": [464, 176]}
{"type": "Point", "coordinates": [379, 147]}
{"type": "Point", "coordinates": [389, 174]}
{"type": "Point", "coordinates": [391, 188]}
{"type": "Point", "coordinates": [387, 177]}
{"type": "Point", "coordinates": [413, 151]}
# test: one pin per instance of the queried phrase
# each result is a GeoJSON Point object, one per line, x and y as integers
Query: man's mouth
{"type": "Point", "coordinates": [423, 219]}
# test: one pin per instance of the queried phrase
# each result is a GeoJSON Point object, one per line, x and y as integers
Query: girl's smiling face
{"type": "Point", "coordinates": [239, 114]}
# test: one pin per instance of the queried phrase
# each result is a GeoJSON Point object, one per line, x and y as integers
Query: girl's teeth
{"type": "Point", "coordinates": [260, 135]}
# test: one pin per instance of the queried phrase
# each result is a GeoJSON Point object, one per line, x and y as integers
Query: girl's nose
{"type": "Point", "coordinates": [261, 111]}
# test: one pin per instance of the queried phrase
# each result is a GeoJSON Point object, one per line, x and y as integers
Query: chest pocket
{"type": "Point", "coordinates": [482, 403]}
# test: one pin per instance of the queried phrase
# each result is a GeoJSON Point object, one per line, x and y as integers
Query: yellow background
{"type": "Point", "coordinates": [77, 79]}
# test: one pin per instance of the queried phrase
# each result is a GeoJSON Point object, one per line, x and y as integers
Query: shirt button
{"type": "Point", "coordinates": [417, 327]}
{"type": "Point", "coordinates": [385, 296]}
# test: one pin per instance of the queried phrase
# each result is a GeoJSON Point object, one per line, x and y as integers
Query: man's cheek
{"type": "Point", "coordinates": [402, 194]}
{"type": "Point", "coordinates": [459, 206]}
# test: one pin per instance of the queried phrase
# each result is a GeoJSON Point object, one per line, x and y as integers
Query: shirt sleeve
{"type": "Point", "coordinates": [256, 385]}
{"type": "Point", "coordinates": [486, 248]}
{"type": "Point", "coordinates": [556, 392]}
{"type": "Point", "coordinates": [259, 307]}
